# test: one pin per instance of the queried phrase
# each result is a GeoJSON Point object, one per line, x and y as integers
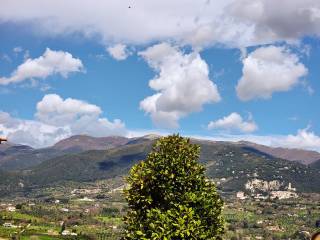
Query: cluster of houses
{"type": "Point", "coordinates": [79, 191]}
{"type": "Point", "coordinates": [260, 189]}
{"type": "Point", "coordinates": [8, 207]}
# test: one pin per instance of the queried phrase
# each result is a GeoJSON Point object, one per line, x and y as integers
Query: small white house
{"type": "Point", "coordinates": [64, 210]}
{"type": "Point", "coordinates": [68, 233]}
{"type": "Point", "coordinates": [65, 232]}
{"type": "Point", "coordinates": [9, 225]}
{"type": "Point", "coordinates": [11, 209]}
{"type": "Point", "coordinates": [86, 199]}
{"type": "Point", "coordinates": [241, 195]}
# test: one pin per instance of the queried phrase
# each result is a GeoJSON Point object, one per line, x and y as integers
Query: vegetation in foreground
{"type": "Point", "coordinates": [43, 218]}
{"type": "Point", "coordinates": [169, 196]}
{"type": "Point", "coordinates": [96, 210]}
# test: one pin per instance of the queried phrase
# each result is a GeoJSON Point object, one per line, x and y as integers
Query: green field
{"type": "Point", "coordinates": [45, 218]}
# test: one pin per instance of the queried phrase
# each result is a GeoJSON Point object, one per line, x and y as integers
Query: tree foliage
{"type": "Point", "coordinates": [169, 196]}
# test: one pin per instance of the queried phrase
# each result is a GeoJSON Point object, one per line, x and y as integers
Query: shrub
{"type": "Point", "coordinates": [169, 197]}
{"type": "Point", "coordinates": [110, 212]}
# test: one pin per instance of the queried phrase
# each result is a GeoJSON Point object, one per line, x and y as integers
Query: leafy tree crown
{"type": "Point", "coordinates": [169, 196]}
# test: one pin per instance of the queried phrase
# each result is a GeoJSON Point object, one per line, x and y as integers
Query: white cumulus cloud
{"type": "Point", "coordinates": [272, 20]}
{"type": "Point", "coordinates": [30, 132]}
{"type": "Point", "coordinates": [58, 118]}
{"type": "Point", "coordinates": [303, 139]}
{"type": "Point", "coordinates": [51, 62]}
{"type": "Point", "coordinates": [79, 116]}
{"type": "Point", "coordinates": [267, 70]}
{"type": "Point", "coordinates": [118, 51]}
{"type": "Point", "coordinates": [52, 109]}
{"type": "Point", "coordinates": [237, 23]}
{"type": "Point", "coordinates": [182, 84]}
{"type": "Point", "coordinates": [232, 122]}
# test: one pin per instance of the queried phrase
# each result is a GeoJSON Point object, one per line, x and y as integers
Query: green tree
{"type": "Point", "coordinates": [19, 206]}
{"type": "Point", "coordinates": [169, 196]}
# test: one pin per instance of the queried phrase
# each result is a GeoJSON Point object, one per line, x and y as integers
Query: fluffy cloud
{"type": "Point", "coordinates": [143, 23]}
{"type": "Point", "coordinates": [118, 51]}
{"type": "Point", "coordinates": [30, 132]}
{"type": "Point", "coordinates": [82, 117]}
{"type": "Point", "coordinates": [56, 119]}
{"type": "Point", "coordinates": [238, 23]}
{"type": "Point", "coordinates": [234, 122]}
{"type": "Point", "coordinates": [267, 70]}
{"type": "Point", "coordinates": [52, 109]}
{"type": "Point", "coordinates": [303, 139]}
{"type": "Point", "coordinates": [51, 62]}
{"type": "Point", "coordinates": [182, 84]}
{"type": "Point", "coordinates": [273, 20]}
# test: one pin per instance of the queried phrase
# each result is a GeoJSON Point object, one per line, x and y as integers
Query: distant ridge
{"type": "Point", "coordinates": [231, 164]}
{"type": "Point", "coordinates": [79, 143]}
{"type": "Point", "coordinates": [20, 157]}
{"type": "Point", "coordinates": [5, 145]}
{"type": "Point", "coordinates": [292, 154]}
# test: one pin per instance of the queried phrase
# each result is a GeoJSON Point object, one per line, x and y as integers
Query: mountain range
{"type": "Point", "coordinates": [291, 154]}
{"type": "Point", "coordinates": [87, 159]}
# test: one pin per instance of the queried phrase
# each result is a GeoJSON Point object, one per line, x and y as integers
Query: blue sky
{"type": "Point", "coordinates": [113, 70]}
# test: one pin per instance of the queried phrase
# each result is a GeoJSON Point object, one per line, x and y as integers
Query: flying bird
{"type": "Point", "coordinates": [2, 140]}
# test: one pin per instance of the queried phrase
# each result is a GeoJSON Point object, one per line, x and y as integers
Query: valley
{"type": "Point", "coordinates": [75, 191]}
{"type": "Point", "coordinates": [95, 211]}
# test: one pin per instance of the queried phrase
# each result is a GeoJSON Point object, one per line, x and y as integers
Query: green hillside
{"type": "Point", "coordinates": [234, 163]}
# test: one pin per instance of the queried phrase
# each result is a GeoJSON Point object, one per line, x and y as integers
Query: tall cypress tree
{"type": "Point", "coordinates": [169, 196]}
